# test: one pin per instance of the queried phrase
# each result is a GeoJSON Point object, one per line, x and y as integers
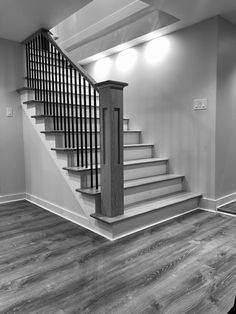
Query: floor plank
{"type": "Point", "coordinates": [49, 265]}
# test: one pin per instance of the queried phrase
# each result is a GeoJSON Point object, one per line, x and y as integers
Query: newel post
{"type": "Point", "coordinates": [111, 139]}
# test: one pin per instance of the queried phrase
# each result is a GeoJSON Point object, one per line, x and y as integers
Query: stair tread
{"type": "Point", "coordinates": [126, 163]}
{"type": "Point", "coordinates": [146, 206]}
{"type": "Point", "coordinates": [74, 149]}
{"type": "Point", "coordinates": [135, 183]}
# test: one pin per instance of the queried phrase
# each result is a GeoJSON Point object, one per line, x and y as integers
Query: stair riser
{"type": "Point", "coordinates": [145, 192]}
{"type": "Point", "coordinates": [129, 154]}
{"type": "Point", "coordinates": [145, 220]}
{"type": "Point", "coordinates": [49, 126]}
{"type": "Point", "coordinates": [134, 172]}
{"type": "Point", "coordinates": [129, 138]}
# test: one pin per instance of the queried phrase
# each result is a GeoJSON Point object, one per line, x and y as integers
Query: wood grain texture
{"type": "Point", "coordinates": [49, 265]}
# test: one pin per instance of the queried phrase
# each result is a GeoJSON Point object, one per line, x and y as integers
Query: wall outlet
{"type": "Point", "coordinates": [200, 104]}
{"type": "Point", "coordinates": [9, 112]}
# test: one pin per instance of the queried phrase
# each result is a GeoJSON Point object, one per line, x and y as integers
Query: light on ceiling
{"type": "Point", "coordinates": [126, 59]}
{"type": "Point", "coordinates": [157, 49]}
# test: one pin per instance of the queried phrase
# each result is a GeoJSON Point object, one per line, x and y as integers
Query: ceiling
{"type": "Point", "coordinates": [21, 18]}
{"type": "Point", "coordinates": [88, 27]}
{"type": "Point", "coordinates": [102, 25]}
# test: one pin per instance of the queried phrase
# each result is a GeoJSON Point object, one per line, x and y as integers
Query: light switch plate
{"type": "Point", "coordinates": [9, 112]}
{"type": "Point", "coordinates": [200, 104]}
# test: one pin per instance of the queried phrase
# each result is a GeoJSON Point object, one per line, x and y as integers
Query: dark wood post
{"type": "Point", "coordinates": [111, 139]}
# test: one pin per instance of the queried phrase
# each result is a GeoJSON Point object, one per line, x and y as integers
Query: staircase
{"type": "Point", "coordinates": [69, 107]}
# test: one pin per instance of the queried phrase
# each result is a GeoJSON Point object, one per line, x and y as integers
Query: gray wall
{"type": "Point", "coordinates": [226, 110]}
{"type": "Point", "coordinates": [159, 101]}
{"type": "Point", "coordinates": [12, 179]}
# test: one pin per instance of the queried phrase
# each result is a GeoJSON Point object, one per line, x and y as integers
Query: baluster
{"type": "Point", "coordinates": [60, 91]}
{"type": "Point", "coordinates": [81, 121]}
{"type": "Point", "coordinates": [44, 75]}
{"type": "Point", "coordinates": [96, 135]}
{"type": "Point", "coordinates": [72, 108]}
{"type": "Point", "coordinates": [27, 64]}
{"type": "Point", "coordinates": [68, 103]}
{"type": "Point", "coordinates": [85, 125]}
{"type": "Point", "coordinates": [76, 117]}
{"type": "Point", "coordinates": [38, 48]}
{"type": "Point", "coordinates": [64, 100]}
{"type": "Point", "coordinates": [91, 135]}
{"type": "Point", "coordinates": [56, 88]}
{"type": "Point", "coordinates": [49, 78]}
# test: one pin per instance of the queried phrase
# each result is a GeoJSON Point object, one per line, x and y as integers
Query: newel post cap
{"type": "Point", "coordinates": [112, 84]}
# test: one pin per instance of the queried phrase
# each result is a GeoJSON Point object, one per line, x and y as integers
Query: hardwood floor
{"type": "Point", "coordinates": [49, 265]}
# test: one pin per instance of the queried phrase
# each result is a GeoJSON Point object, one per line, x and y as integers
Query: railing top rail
{"type": "Point", "coordinates": [46, 33]}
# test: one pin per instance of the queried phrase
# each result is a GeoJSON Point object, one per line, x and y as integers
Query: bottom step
{"type": "Point", "coordinates": [150, 212]}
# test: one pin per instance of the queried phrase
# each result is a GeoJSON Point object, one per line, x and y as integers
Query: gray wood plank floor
{"type": "Point", "coordinates": [49, 265]}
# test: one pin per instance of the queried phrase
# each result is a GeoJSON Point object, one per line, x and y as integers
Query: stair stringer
{"type": "Point", "coordinates": [76, 207]}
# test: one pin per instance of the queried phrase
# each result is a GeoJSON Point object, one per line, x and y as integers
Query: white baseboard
{"type": "Point", "coordinates": [213, 204]}
{"type": "Point", "coordinates": [226, 199]}
{"type": "Point", "coordinates": [64, 213]}
{"type": "Point", "coordinates": [12, 198]}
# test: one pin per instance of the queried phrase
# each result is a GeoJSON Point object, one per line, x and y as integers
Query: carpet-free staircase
{"type": "Point", "coordinates": [151, 193]}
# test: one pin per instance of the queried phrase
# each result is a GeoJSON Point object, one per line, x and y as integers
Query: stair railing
{"type": "Point", "coordinates": [70, 96]}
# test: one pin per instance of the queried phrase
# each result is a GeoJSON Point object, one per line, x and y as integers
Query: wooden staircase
{"type": "Point", "coordinates": [151, 193]}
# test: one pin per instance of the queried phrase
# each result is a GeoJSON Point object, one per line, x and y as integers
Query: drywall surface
{"type": "Point", "coordinates": [159, 100]}
{"type": "Point", "coordinates": [12, 178]}
{"type": "Point", "coordinates": [226, 110]}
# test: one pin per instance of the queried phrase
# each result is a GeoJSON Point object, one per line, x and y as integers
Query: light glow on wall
{"type": "Point", "coordinates": [126, 59]}
{"type": "Point", "coordinates": [102, 68]}
{"type": "Point", "coordinates": [157, 49]}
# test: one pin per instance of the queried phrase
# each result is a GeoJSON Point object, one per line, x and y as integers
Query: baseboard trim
{"type": "Point", "coordinates": [224, 200]}
{"type": "Point", "coordinates": [214, 204]}
{"type": "Point", "coordinates": [208, 203]}
{"type": "Point", "coordinates": [12, 198]}
{"type": "Point", "coordinates": [64, 213]}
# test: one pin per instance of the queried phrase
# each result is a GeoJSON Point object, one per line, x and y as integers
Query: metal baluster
{"type": "Point", "coordinates": [91, 136]}
{"type": "Point", "coordinates": [64, 100]}
{"type": "Point", "coordinates": [72, 108]}
{"type": "Point", "coordinates": [81, 122]}
{"type": "Point", "coordinates": [68, 103]}
{"type": "Point", "coordinates": [27, 64]}
{"type": "Point", "coordinates": [56, 89]}
{"type": "Point", "coordinates": [44, 75]}
{"type": "Point", "coordinates": [96, 134]}
{"type": "Point", "coordinates": [85, 125]}
{"type": "Point", "coordinates": [53, 88]}
{"type": "Point", "coordinates": [49, 78]}
{"type": "Point", "coordinates": [76, 117]}
{"type": "Point", "coordinates": [60, 99]}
